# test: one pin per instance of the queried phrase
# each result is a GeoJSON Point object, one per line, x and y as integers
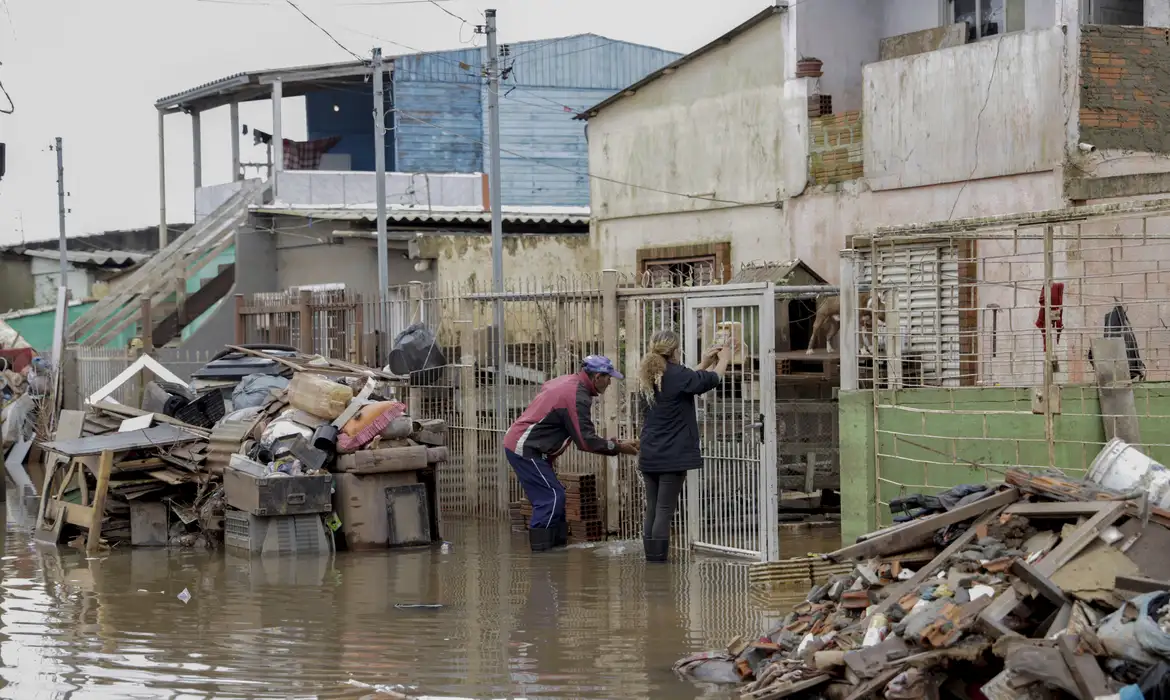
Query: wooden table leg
{"type": "Point", "coordinates": [99, 502]}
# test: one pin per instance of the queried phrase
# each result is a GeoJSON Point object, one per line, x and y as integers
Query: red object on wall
{"type": "Point", "coordinates": [1057, 313]}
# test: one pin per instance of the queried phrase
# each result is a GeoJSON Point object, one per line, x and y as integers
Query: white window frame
{"type": "Point", "coordinates": [949, 13]}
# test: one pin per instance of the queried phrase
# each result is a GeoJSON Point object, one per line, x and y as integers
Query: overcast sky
{"type": "Point", "coordinates": [90, 71]}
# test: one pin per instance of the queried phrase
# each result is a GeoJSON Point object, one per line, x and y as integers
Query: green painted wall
{"type": "Point", "coordinates": [925, 439]}
{"type": "Point", "coordinates": [37, 329]}
{"type": "Point", "coordinates": [208, 271]}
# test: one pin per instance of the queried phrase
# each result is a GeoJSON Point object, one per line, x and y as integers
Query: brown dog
{"type": "Point", "coordinates": [828, 320]}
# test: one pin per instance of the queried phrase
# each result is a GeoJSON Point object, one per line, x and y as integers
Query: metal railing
{"type": "Point", "coordinates": [993, 336]}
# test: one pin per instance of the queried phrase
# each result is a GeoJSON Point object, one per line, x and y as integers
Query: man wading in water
{"type": "Point", "coordinates": [670, 432]}
{"type": "Point", "coordinates": [559, 414]}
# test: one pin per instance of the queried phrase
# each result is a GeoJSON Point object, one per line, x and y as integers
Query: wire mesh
{"type": "Point", "coordinates": [981, 356]}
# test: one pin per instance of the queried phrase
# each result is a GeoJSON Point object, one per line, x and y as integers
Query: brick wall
{"type": "Point", "coordinates": [1125, 88]}
{"type": "Point", "coordinates": [835, 148]}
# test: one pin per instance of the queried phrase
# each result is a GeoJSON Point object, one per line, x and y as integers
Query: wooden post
{"type": "Point", "coordinates": [305, 316]}
{"type": "Point", "coordinates": [469, 400]}
{"type": "Point", "coordinates": [610, 406]}
{"type": "Point", "coordinates": [99, 502]}
{"type": "Point", "coordinates": [241, 334]}
{"type": "Point", "coordinates": [147, 324]}
{"type": "Point", "coordinates": [416, 316]}
{"type": "Point", "coordinates": [357, 352]}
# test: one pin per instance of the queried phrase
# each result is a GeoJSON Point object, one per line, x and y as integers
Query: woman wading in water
{"type": "Point", "coordinates": [670, 431]}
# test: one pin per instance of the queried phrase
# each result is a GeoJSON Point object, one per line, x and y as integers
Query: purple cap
{"type": "Point", "coordinates": [600, 364]}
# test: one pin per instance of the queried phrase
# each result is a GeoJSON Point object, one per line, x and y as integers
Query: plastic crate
{"type": "Point", "coordinates": [282, 534]}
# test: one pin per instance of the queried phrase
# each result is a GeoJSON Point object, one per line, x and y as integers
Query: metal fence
{"type": "Point", "coordinates": [88, 369]}
{"type": "Point", "coordinates": [992, 336]}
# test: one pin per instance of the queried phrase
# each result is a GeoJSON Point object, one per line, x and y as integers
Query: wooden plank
{"type": "Point", "coordinates": [1054, 508]}
{"type": "Point", "coordinates": [1118, 408]}
{"type": "Point", "coordinates": [393, 459]}
{"type": "Point", "coordinates": [1040, 582]}
{"type": "Point", "coordinates": [75, 514]}
{"type": "Point", "coordinates": [1140, 584]}
{"type": "Point", "coordinates": [918, 532]}
{"type": "Point", "coordinates": [99, 503]}
{"type": "Point", "coordinates": [1085, 670]}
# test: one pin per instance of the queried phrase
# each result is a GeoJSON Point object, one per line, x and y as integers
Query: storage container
{"type": "Point", "coordinates": [318, 395]}
{"type": "Point", "coordinates": [1123, 468]}
{"type": "Point", "coordinates": [277, 495]}
{"type": "Point", "coordinates": [289, 534]}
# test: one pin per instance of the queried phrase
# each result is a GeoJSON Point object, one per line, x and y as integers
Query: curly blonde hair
{"type": "Point", "coordinates": [663, 346]}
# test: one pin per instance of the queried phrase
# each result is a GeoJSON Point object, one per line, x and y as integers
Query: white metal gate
{"type": "Point", "coordinates": [732, 503]}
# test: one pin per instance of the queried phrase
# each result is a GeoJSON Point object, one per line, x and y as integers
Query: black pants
{"type": "Point", "coordinates": [662, 490]}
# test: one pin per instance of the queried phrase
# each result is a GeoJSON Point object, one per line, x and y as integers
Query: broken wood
{"type": "Point", "coordinates": [1039, 581]}
{"type": "Point", "coordinates": [1139, 584]}
{"type": "Point", "coordinates": [919, 532]}
{"type": "Point", "coordinates": [384, 461]}
{"type": "Point", "coordinates": [1085, 670]}
{"type": "Point", "coordinates": [1109, 512]}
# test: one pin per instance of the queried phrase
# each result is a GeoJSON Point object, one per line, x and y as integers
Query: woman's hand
{"type": "Point", "coordinates": [628, 447]}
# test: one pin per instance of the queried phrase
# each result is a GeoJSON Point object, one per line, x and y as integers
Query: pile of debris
{"type": "Point", "coordinates": [1040, 586]}
{"type": "Point", "coordinates": [265, 433]}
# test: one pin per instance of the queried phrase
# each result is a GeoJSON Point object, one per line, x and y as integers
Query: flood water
{"type": "Point", "coordinates": [580, 623]}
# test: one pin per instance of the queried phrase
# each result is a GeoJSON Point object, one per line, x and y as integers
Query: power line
{"type": "Point", "coordinates": [323, 30]}
{"type": "Point", "coordinates": [436, 4]}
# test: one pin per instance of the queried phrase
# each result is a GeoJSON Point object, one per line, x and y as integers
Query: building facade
{"type": "Point", "coordinates": [815, 121]}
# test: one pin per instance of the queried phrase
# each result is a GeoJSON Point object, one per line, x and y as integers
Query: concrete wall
{"type": "Point", "coordinates": [460, 258]}
{"type": "Point", "coordinates": [1005, 434]}
{"type": "Point", "coordinates": [723, 126]}
{"type": "Point", "coordinates": [994, 107]}
{"type": "Point", "coordinates": [845, 35]}
{"type": "Point", "coordinates": [46, 276]}
{"type": "Point", "coordinates": [1125, 88]}
{"type": "Point", "coordinates": [306, 252]}
{"type": "Point", "coordinates": [340, 189]}
{"type": "Point", "coordinates": [16, 283]}
{"type": "Point", "coordinates": [905, 16]}
{"type": "Point", "coordinates": [814, 226]}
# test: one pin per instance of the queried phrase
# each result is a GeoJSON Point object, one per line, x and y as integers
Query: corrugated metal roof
{"type": "Point", "coordinates": [110, 258]}
{"type": "Point", "coordinates": [435, 214]}
{"type": "Point", "coordinates": [778, 6]}
{"type": "Point", "coordinates": [779, 273]}
{"type": "Point", "coordinates": [571, 61]}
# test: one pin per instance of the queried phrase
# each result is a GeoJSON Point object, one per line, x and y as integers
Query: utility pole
{"type": "Point", "coordinates": [380, 185]}
{"type": "Point", "coordinates": [61, 215]}
{"type": "Point", "coordinates": [493, 75]}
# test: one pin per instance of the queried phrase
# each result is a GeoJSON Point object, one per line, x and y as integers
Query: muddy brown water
{"type": "Point", "coordinates": [582, 623]}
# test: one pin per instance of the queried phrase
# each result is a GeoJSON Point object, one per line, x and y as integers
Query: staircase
{"type": "Point", "coordinates": [165, 278]}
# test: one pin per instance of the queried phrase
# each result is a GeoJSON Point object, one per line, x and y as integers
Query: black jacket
{"type": "Point", "coordinates": [670, 431]}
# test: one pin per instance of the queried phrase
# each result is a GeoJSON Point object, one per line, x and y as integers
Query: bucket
{"type": "Point", "coordinates": [1123, 468]}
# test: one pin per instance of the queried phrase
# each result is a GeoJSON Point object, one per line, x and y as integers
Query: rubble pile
{"type": "Point", "coordinates": [197, 463]}
{"type": "Point", "coordinates": [1039, 587]}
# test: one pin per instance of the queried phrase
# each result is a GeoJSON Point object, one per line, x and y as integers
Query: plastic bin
{"type": "Point", "coordinates": [285, 534]}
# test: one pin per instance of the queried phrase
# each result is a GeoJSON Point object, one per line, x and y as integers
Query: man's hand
{"type": "Point", "coordinates": [628, 447]}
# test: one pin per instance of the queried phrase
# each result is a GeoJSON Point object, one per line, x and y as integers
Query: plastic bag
{"type": "Point", "coordinates": [416, 350]}
{"type": "Point", "coordinates": [16, 420]}
{"type": "Point", "coordinates": [1139, 640]}
{"type": "Point", "coordinates": [243, 414]}
{"type": "Point", "coordinates": [318, 395]}
{"type": "Point", "coordinates": [283, 427]}
{"type": "Point", "coordinates": [256, 390]}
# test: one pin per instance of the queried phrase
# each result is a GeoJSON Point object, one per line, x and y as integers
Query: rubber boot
{"type": "Point", "coordinates": [561, 538]}
{"type": "Point", "coordinates": [541, 538]}
{"type": "Point", "coordinates": [657, 549]}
